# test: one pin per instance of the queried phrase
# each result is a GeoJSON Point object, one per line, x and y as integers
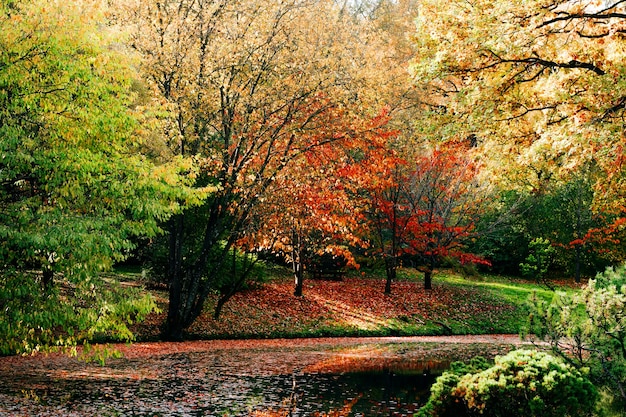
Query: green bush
{"type": "Point", "coordinates": [588, 329]}
{"type": "Point", "coordinates": [521, 383]}
{"type": "Point", "coordinates": [538, 260]}
{"type": "Point", "coordinates": [442, 402]}
{"type": "Point", "coordinates": [33, 319]}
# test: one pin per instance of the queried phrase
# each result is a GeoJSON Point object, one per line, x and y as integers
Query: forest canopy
{"type": "Point", "coordinates": [199, 137]}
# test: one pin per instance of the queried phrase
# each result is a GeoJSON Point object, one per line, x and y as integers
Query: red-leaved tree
{"type": "Point", "coordinates": [425, 209]}
{"type": "Point", "coordinates": [315, 208]}
{"type": "Point", "coordinates": [445, 197]}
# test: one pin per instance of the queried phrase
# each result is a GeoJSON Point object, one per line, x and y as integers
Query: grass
{"type": "Point", "coordinates": [516, 291]}
{"type": "Point", "coordinates": [357, 306]}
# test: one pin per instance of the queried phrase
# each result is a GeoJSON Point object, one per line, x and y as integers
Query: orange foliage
{"type": "Point", "coordinates": [428, 205]}
{"type": "Point", "coordinates": [312, 205]}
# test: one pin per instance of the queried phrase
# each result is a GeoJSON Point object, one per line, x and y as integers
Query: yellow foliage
{"type": "Point", "coordinates": [542, 88]}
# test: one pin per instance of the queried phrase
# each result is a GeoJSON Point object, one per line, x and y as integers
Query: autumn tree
{"type": "Point", "coordinates": [390, 219]}
{"type": "Point", "coordinates": [426, 210]}
{"type": "Point", "coordinates": [393, 23]}
{"type": "Point", "coordinates": [315, 212]}
{"type": "Point", "coordinates": [251, 86]}
{"type": "Point", "coordinates": [302, 220]}
{"type": "Point", "coordinates": [538, 84]}
{"type": "Point", "coordinates": [74, 191]}
{"type": "Point", "coordinates": [445, 197]}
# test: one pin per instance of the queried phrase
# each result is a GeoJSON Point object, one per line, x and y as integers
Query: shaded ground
{"type": "Point", "coordinates": [236, 378]}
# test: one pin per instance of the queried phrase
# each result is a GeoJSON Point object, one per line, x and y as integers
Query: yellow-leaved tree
{"type": "Point", "coordinates": [250, 87]}
{"type": "Point", "coordinates": [541, 84]}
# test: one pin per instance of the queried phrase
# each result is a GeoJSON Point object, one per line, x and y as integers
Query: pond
{"type": "Point", "coordinates": [308, 377]}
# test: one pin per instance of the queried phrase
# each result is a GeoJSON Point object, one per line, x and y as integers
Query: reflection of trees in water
{"type": "Point", "coordinates": [381, 393]}
{"type": "Point", "coordinates": [291, 406]}
{"type": "Point", "coordinates": [385, 392]}
{"type": "Point", "coordinates": [317, 381]}
{"type": "Point", "coordinates": [293, 395]}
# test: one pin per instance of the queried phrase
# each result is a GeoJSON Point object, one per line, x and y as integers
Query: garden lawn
{"type": "Point", "coordinates": [357, 306]}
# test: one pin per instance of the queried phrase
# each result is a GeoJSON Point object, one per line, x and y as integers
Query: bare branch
{"type": "Point", "coordinates": [527, 111]}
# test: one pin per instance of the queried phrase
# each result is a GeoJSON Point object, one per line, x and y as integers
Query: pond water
{"type": "Point", "coordinates": [218, 379]}
{"type": "Point", "coordinates": [361, 394]}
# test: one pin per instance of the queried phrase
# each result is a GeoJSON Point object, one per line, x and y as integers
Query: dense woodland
{"type": "Point", "coordinates": [201, 138]}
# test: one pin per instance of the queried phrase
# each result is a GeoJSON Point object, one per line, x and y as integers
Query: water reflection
{"type": "Point", "coordinates": [357, 394]}
{"type": "Point", "coordinates": [353, 381]}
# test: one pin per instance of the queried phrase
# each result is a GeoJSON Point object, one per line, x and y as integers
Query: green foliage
{"type": "Point", "coordinates": [562, 213]}
{"type": "Point", "coordinates": [593, 322]}
{"type": "Point", "coordinates": [573, 221]}
{"type": "Point", "coordinates": [442, 402]}
{"type": "Point", "coordinates": [539, 259]}
{"type": "Point", "coordinates": [240, 271]}
{"type": "Point", "coordinates": [99, 353]}
{"type": "Point", "coordinates": [521, 383]}
{"type": "Point", "coordinates": [33, 320]}
{"type": "Point", "coordinates": [74, 191]}
{"type": "Point", "coordinates": [237, 269]}
{"type": "Point", "coordinates": [501, 235]}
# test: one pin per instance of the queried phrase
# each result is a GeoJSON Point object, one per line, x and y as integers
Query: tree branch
{"type": "Point", "coordinates": [599, 15]}
{"type": "Point", "coordinates": [620, 105]}
{"type": "Point", "coordinates": [525, 112]}
{"type": "Point", "coordinates": [573, 64]}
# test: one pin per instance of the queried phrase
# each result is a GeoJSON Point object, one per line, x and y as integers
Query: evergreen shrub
{"type": "Point", "coordinates": [521, 383]}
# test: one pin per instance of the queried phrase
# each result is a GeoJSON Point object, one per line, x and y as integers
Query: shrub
{"type": "Point", "coordinates": [588, 329]}
{"type": "Point", "coordinates": [538, 260]}
{"type": "Point", "coordinates": [521, 383]}
{"type": "Point", "coordinates": [441, 401]}
{"type": "Point", "coordinates": [32, 318]}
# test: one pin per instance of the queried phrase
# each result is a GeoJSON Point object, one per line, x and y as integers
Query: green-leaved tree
{"type": "Point", "coordinates": [74, 190]}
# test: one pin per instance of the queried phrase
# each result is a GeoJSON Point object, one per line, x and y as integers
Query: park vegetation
{"type": "Point", "coordinates": [521, 383]}
{"type": "Point", "coordinates": [203, 138]}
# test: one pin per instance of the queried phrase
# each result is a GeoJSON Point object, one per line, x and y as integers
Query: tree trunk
{"type": "Point", "coordinates": [191, 281]}
{"type": "Point", "coordinates": [579, 208]}
{"type": "Point", "coordinates": [391, 270]}
{"type": "Point", "coordinates": [236, 285]}
{"type": "Point", "coordinates": [428, 273]}
{"type": "Point", "coordinates": [299, 283]}
{"type": "Point", "coordinates": [428, 279]}
{"type": "Point", "coordinates": [173, 328]}
{"type": "Point", "coordinates": [188, 292]}
{"type": "Point", "coordinates": [577, 277]}
{"type": "Point", "coordinates": [227, 294]}
{"type": "Point", "coordinates": [297, 262]}
{"type": "Point", "coordinates": [298, 274]}
{"type": "Point", "coordinates": [218, 307]}
{"type": "Point", "coordinates": [47, 278]}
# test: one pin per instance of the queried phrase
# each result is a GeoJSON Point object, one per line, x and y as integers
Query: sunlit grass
{"type": "Point", "coordinates": [488, 289]}
{"type": "Point", "coordinates": [512, 290]}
